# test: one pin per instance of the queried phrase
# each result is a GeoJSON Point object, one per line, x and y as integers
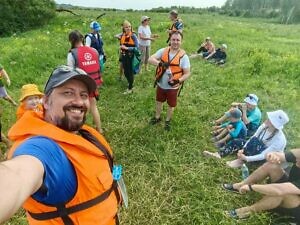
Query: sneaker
{"type": "Point", "coordinates": [154, 120]}
{"type": "Point", "coordinates": [128, 91]}
{"type": "Point", "coordinates": [168, 125]}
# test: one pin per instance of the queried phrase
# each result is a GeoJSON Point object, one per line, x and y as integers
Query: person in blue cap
{"type": "Point", "coordinates": [94, 40]}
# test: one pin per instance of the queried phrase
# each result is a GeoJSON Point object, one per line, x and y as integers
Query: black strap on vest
{"type": "Point", "coordinates": [62, 211]}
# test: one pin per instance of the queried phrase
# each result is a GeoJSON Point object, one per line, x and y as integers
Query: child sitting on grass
{"type": "Point", "coordinates": [3, 92]}
{"type": "Point", "coordinates": [226, 132]}
{"type": "Point", "coordinates": [30, 100]}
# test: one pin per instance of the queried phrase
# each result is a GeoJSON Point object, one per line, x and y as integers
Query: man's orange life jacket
{"type": "Point", "coordinates": [87, 59]}
{"type": "Point", "coordinates": [95, 201]}
{"type": "Point", "coordinates": [174, 64]}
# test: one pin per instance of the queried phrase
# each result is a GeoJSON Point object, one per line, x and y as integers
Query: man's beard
{"type": "Point", "coordinates": [67, 124]}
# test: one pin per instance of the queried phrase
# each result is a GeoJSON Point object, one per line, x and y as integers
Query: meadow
{"type": "Point", "coordinates": [168, 180]}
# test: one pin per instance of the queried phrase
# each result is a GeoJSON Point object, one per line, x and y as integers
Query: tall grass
{"type": "Point", "coordinates": [168, 179]}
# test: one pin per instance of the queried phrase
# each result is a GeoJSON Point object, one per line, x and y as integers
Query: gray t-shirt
{"type": "Point", "coordinates": [184, 64]}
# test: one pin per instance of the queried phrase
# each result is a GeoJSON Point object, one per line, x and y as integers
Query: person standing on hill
{"type": "Point", "coordinates": [173, 68]}
{"type": "Point", "coordinates": [59, 169]}
{"type": "Point", "coordinates": [145, 38]}
{"type": "Point", "coordinates": [86, 58]}
{"type": "Point", "coordinates": [94, 40]}
{"type": "Point", "coordinates": [177, 24]}
{"type": "Point", "coordinates": [128, 46]}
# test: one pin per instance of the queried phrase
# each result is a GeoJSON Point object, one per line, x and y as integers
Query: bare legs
{"type": "Point", "coordinates": [275, 172]}
{"type": "Point", "coordinates": [96, 115]}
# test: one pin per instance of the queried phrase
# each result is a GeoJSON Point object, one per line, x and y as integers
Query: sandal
{"type": "Point", "coordinates": [229, 187]}
{"type": "Point", "coordinates": [233, 214]}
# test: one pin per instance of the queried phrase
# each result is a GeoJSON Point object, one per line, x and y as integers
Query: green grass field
{"type": "Point", "coordinates": [168, 179]}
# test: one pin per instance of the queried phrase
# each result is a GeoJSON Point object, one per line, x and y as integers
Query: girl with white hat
{"type": "Point", "coordinates": [269, 137]}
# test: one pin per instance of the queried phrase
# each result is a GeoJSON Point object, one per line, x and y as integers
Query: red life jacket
{"type": "Point", "coordinates": [87, 59]}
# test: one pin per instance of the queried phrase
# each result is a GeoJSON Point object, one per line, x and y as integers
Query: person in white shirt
{"type": "Point", "coordinates": [145, 37]}
{"type": "Point", "coordinates": [269, 134]}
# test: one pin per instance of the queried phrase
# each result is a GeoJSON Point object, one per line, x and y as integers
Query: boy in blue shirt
{"type": "Point", "coordinates": [234, 128]}
{"type": "Point", "coordinates": [228, 131]}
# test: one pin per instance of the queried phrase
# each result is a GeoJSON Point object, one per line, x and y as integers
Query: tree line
{"type": "Point", "coordinates": [285, 11]}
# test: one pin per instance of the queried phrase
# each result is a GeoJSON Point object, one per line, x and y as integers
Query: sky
{"type": "Point", "coordinates": [142, 4]}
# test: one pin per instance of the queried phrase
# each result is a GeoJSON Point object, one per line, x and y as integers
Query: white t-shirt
{"type": "Point", "coordinates": [70, 60]}
{"type": "Point", "coordinates": [184, 64]}
{"type": "Point", "coordinates": [145, 31]}
{"type": "Point", "coordinates": [276, 144]}
{"type": "Point", "coordinates": [88, 40]}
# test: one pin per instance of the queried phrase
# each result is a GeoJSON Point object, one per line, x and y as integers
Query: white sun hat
{"type": "Point", "coordinates": [278, 118]}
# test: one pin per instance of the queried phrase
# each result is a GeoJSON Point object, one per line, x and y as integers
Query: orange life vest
{"type": "Point", "coordinates": [87, 59]}
{"type": "Point", "coordinates": [174, 64]}
{"type": "Point", "coordinates": [127, 40]}
{"type": "Point", "coordinates": [21, 110]}
{"type": "Point", "coordinates": [93, 172]}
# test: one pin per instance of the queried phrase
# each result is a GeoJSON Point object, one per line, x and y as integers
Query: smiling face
{"type": "Point", "coordinates": [67, 105]}
{"type": "Point", "coordinates": [127, 28]}
{"type": "Point", "coordinates": [175, 41]}
{"type": "Point", "coordinates": [31, 102]}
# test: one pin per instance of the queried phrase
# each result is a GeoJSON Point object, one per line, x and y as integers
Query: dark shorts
{"type": "Point", "coordinates": [292, 212]}
{"type": "Point", "coordinates": [169, 95]}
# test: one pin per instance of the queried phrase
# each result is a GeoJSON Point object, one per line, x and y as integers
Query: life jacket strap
{"type": "Point", "coordinates": [64, 212]}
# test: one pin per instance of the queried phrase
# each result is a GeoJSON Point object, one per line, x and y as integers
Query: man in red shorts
{"type": "Point", "coordinates": [173, 68]}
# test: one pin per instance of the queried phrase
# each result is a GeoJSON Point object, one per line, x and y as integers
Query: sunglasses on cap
{"type": "Point", "coordinates": [250, 96]}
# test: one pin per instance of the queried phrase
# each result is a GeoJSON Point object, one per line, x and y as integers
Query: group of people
{"type": "Point", "coordinates": [62, 171]}
{"type": "Point", "coordinates": [262, 147]}
{"type": "Point", "coordinates": [209, 52]}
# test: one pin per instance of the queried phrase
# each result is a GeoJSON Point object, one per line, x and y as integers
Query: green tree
{"type": "Point", "coordinates": [21, 15]}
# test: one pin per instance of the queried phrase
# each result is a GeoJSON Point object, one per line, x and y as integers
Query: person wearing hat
{"type": "Point", "coordinates": [59, 168]}
{"type": "Point", "coordinates": [145, 37]}
{"type": "Point", "coordinates": [219, 56]}
{"type": "Point", "coordinates": [30, 100]}
{"type": "Point", "coordinates": [269, 137]}
{"type": "Point", "coordinates": [228, 131]}
{"type": "Point", "coordinates": [280, 195]}
{"type": "Point", "coordinates": [251, 114]}
{"type": "Point", "coordinates": [94, 40]}
{"type": "Point", "coordinates": [177, 24]}
{"type": "Point", "coordinates": [128, 46]}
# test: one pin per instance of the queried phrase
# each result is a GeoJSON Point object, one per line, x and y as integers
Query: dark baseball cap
{"type": "Point", "coordinates": [234, 113]}
{"type": "Point", "coordinates": [63, 73]}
